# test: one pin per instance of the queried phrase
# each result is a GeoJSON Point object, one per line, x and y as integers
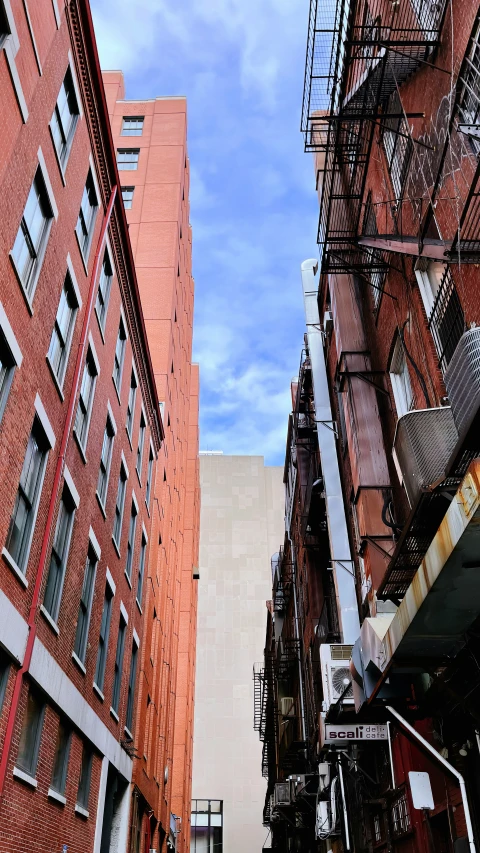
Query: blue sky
{"type": "Point", "coordinates": [253, 206]}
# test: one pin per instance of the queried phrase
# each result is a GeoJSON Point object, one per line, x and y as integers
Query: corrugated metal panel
{"type": "Point", "coordinates": [424, 442]}
{"type": "Point", "coordinates": [462, 380]}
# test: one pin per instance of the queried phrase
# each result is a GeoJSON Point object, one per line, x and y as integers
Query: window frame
{"type": "Point", "coordinates": [104, 636]}
{"type": "Point", "coordinates": [21, 763]}
{"type": "Point", "coordinates": [85, 227]}
{"type": "Point", "coordinates": [110, 422]}
{"type": "Point", "coordinates": [132, 533]}
{"type": "Point", "coordinates": [63, 153]}
{"type": "Point", "coordinates": [69, 282]}
{"type": "Point", "coordinates": [4, 675]}
{"type": "Point", "coordinates": [133, 130]}
{"type": "Point", "coordinates": [82, 435]}
{"type": "Point", "coordinates": [398, 150]}
{"type": "Point", "coordinates": [142, 560]}
{"type": "Point", "coordinates": [150, 468]}
{"type": "Point", "coordinates": [102, 311]}
{"type": "Point", "coordinates": [469, 93]}
{"type": "Point", "coordinates": [128, 202]}
{"type": "Point", "coordinates": [403, 405]}
{"type": "Point", "coordinates": [73, 500]}
{"type": "Point", "coordinates": [142, 431]}
{"type": "Point", "coordinates": [119, 658]}
{"type": "Point", "coordinates": [13, 353]}
{"type": "Point", "coordinates": [132, 677]}
{"type": "Point", "coordinates": [119, 355]}
{"type": "Point", "coordinates": [62, 751]}
{"type": "Point", "coordinates": [132, 399]}
{"type": "Point", "coordinates": [121, 493]}
{"type": "Point", "coordinates": [80, 645]}
{"type": "Point", "coordinates": [128, 165]}
{"type": "Point", "coordinates": [84, 780]}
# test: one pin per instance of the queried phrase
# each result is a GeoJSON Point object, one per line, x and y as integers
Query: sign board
{"type": "Point", "coordinates": [422, 797]}
{"type": "Point", "coordinates": [339, 734]}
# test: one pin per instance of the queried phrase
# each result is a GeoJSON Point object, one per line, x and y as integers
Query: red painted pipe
{"type": "Point", "coordinates": [53, 500]}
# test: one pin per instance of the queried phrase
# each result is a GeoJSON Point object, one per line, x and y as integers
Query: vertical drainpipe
{"type": "Point", "coordinates": [297, 637]}
{"type": "Point", "coordinates": [342, 562]}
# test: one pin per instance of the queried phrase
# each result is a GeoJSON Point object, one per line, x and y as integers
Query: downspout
{"type": "Point", "coordinates": [448, 766]}
{"type": "Point", "coordinates": [344, 804]}
{"type": "Point", "coordinates": [342, 562]}
{"type": "Point", "coordinates": [53, 499]}
{"type": "Point", "coordinates": [297, 637]}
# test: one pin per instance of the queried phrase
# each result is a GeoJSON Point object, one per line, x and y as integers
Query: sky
{"type": "Point", "coordinates": [253, 205]}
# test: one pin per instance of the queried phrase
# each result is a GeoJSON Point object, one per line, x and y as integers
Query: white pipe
{"type": "Point", "coordinates": [327, 443]}
{"type": "Point", "coordinates": [391, 755]}
{"type": "Point", "coordinates": [345, 815]}
{"type": "Point", "coordinates": [449, 767]}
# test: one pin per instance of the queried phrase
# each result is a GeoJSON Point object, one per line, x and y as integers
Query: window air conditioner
{"type": "Point", "coordinates": [336, 675]}
{"type": "Point", "coordinates": [462, 380]}
{"type": "Point", "coordinates": [282, 795]}
{"type": "Point", "coordinates": [424, 441]}
{"type": "Point", "coordinates": [287, 706]}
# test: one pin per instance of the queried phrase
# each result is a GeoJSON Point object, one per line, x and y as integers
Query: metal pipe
{"type": "Point", "coordinates": [344, 804]}
{"type": "Point", "coordinates": [297, 637]}
{"type": "Point", "coordinates": [52, 504]}
{"type": "Point", "coordinates": [327, 442]}
{"type": "Point", "coordinates": [448, 766]}
{"type": "Point", "coordinates": [391, 755]}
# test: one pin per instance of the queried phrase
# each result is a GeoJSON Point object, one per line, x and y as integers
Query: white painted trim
{"type": "Point", "coordinates": [136, 639]}
{"type": "Point", "coordinates": [10, 338]}
{"type": "Point", "coordinates": [11, 25]}
{"type": "Point", "coordinates": [25, 777]}
{"type": "Point", "coordinates": [75, 83]}
{"type": "Point", "coordinates": [114, 715]}
{"type": "Point", "coordinates": [58, 20]}
{"type": "Point", "coordinates": [95, 180]}
{"type": "Point", "coordinates": [94, 353]}
{"type": "Point", "coordinates": [13, 629]}
{"type": "Point", "coordinates": [54, 795]}
{"type": "Point", "coordinates": [102, 790]}
{"type": "Point", "coordinates": [73, 279]}
{"type": "Point", "coordinates": [144, 533]}
{"type": "Point", "coordinates": [80, 810]}
{"type": "Point", "coordinates": [125, 327]}
{"type": "Point", "coordinates": [48, 185]}
{"type": "Point", "coordinates": [14, 567]}
{"type": "Point", "coordinates": [94, 543]}
{"type": "Point", "coordinates": [98, 692]}
{"type": "Point", "coordinates": [112, 419]}
{"type": "Point", "coordinates": [79, 663]}
{"type": "Point", "coordinates": [124, 463]}
{"type": "Point", "coordinates": [32, 37]}
{"type": "Point", "coordinates": [134, 500]}
{"type": "Point", "coordinates": [71, 486]}
{"type": "Point", "coordinates": [110, 581]}
{"type": "Point", "coordinates": [48, 618]}
{"type": "Point", "coordinates": [45, 422]}
{"type": "Point", "coordinates": [123, 611]}
{"type": "Point", "coordinates": [10, 53]}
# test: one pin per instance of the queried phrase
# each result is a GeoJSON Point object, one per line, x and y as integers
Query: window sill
{"type": "Point", "coordinates": [101, 505]}
{"type": "Point", "coordinates": [80, 448]}
{"type": "Point", "coordinates": [48, 618]}
{"type": "Point", "coordinates": [54, 795]}
{"type": "Point", "coordinates": [139, 606]}
{"type": "Point", "coordinates": [79, 663]}
{"type": "Point", "coordinates": [81, 811]}
{"type": "Point", "coordinates": [21, 284]}
{"type": "Point", "coordinates": [25, 777]}
{"type": "Point", "coordinates": [56, 381]}
{"type": "Point", "coordinates": [114, 715]}
{"type": "Point", "coordinates": [117, 549]}
{"type": "Point", "coordinates": [128, 733]}
{"type": "Point", "coordinates": [98, 692]}
{"type": "Point", "coordinates": [15, 569]}
{"type": "Point", "coordinates": [129, 580]}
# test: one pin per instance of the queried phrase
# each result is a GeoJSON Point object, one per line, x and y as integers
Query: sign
{"type": "Point", "coordinates": [340, 734]}
{"type": "Point", "coordinates": [422, 797]}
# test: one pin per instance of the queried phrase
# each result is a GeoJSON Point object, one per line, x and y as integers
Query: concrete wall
{"type": "Point", "coordinates": [241, 526]}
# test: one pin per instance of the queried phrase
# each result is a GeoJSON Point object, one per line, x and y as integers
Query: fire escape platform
{"type": "Point", "coordinates": [443, 600]}
{"type": "Point", "coordinates": [436, 250]}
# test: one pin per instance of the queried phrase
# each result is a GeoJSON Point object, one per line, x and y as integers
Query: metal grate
{"type": "Point", "coordinates": [424, 442]}
{"type": "Point", "coordinates": [462, 380]}
{"type": "Point", "coordinates": [447, 322]}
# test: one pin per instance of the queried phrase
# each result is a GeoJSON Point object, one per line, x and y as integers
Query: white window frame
{"type": "Point", "coordinates": [60, 378]}
{"type": "Point", "coordinates": [62, 165]}
{"type": "Point", "coordinates": [402, 404]}
{"type": "Point", "coordinates": [425, 285]}
{"type": "Point", "coordinates": [11, 45]}
{"type": "Point", "coordinates": [113, 425]}
{"type": "Point", "coordinates": [121, 323]}
{"type": "Point", "coordinates": [85, 256]}
{"type": "Point", "coordinates": [83, 445]}
{"type": "Point", "coordinates": [15, 353]}
{"type": "Point", "coordinates": [75, 498]}
{"type": "Point", "coordinates": [108, 252]}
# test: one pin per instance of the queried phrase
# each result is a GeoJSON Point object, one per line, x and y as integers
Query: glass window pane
{"type": "Point", "coordinates": [30, 735]}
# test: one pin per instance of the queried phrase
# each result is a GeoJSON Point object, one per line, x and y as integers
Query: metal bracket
{"type": "Point", "coordinates": [331, 425]}
{"type": "Point", "coordinates": [363, 375]}
{"type": "Point", "coordinates": [342, 565]}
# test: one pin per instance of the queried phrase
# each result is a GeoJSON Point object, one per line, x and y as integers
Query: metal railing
{"type": "Point", "coordinates": [447, 320]}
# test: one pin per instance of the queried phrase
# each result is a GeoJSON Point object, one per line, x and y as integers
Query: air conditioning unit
{"type": "Point", "coordinates": [287, 706]}
{"type": "Point", "coordinates": [423, 444]}
{"type": "Point", "coordinates": [336, 675]}
{"type": "Point", "coordinates": [283, 794]}
{"type": "Point", "coordinates": [328, 322]}
{"type": "Point", "coordinates": [462, 380]}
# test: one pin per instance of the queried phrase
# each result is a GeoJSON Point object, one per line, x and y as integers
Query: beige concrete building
{"type": "Point", "coordinates": [241, 526]}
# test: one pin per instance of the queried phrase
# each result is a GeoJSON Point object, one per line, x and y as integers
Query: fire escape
{"type": "Point", "coordinates": [358, 56]}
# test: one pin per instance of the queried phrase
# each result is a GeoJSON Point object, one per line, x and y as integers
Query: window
{"type": "Point", "coordinates": [4, 672]}
{"type": "Point", "coordinates": [127, 195]}
{"type": "Point", "coordinates": [62, 331]}
{"type": "Point", "coordinates": [7, 369]}
{"type": "Point", "coordinates": [444, 310]}
{"type": "Point", "coordinates": [117, 678]}
{"type": "Point", "coordinates": [132, 126]}
{"type": "Point", "coordinates": [127, 158]}
{"type": "Point", "coordinates": [377, 828]}
{"type": "Point", "coordinates": [103, 293]}
{"type": "Point", "coordinates": [131, 540]}
{"type": "Point", "coordinates": [119, 505]}
{"type": "Point", "coordinates": [141, 568]}
{"type": "Point", "coordinates": [64, 119]}
{"type": "Point", "coordinates": [378, 260]}
{"type": "Point", "coordinates": [469, 100]}
{"type": "Point", "coordinates": [85, 608]}
{"type": "Point", "coordinates": [85, 402]}
{"type": "Point", "coordinates": [83, 793]}
{"type": "Point", "coordinates": [148, 489]}
{"type": "Point", "coordinates": [207, 826]}
{"type": "Point", "coordinates": [28, 496]}
{"type": "Point", "coordinates": [87, 216]}
{"type": "Point", "coordinates": [30, 242]}
{"type": "Point", "coordinates": [4, 26]}
{"type": "Point", "coordinates": [141, 442]}
{"type": "Point", "coordinates": [400, 815]}
{"type": "Point", "coordinates": [31, 734]}
{"type": "Point", "coordinates": [103, 639]}
{"type": "Point", "coordinates": [119, 355]}
{"type": "Point", "coordinates": [397, 144]}
{"type": "Point", "coordinates": [400, 379]}
{"type": "Point", "coordinates": [131, 403]}
{"type": "Point", "coordinates": [131, 687]}
{"type": "Point", "coordinates": [105, 461]}
{"type": "Point", "coordinates": [62, 751]}
{"type": "Point", "coordinates": [59, 557]}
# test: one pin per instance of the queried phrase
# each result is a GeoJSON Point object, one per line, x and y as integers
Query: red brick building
{"type": "Point", "coordinates": [91, 608]}
{"type": "Point", "coordinates": [382, 467]}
